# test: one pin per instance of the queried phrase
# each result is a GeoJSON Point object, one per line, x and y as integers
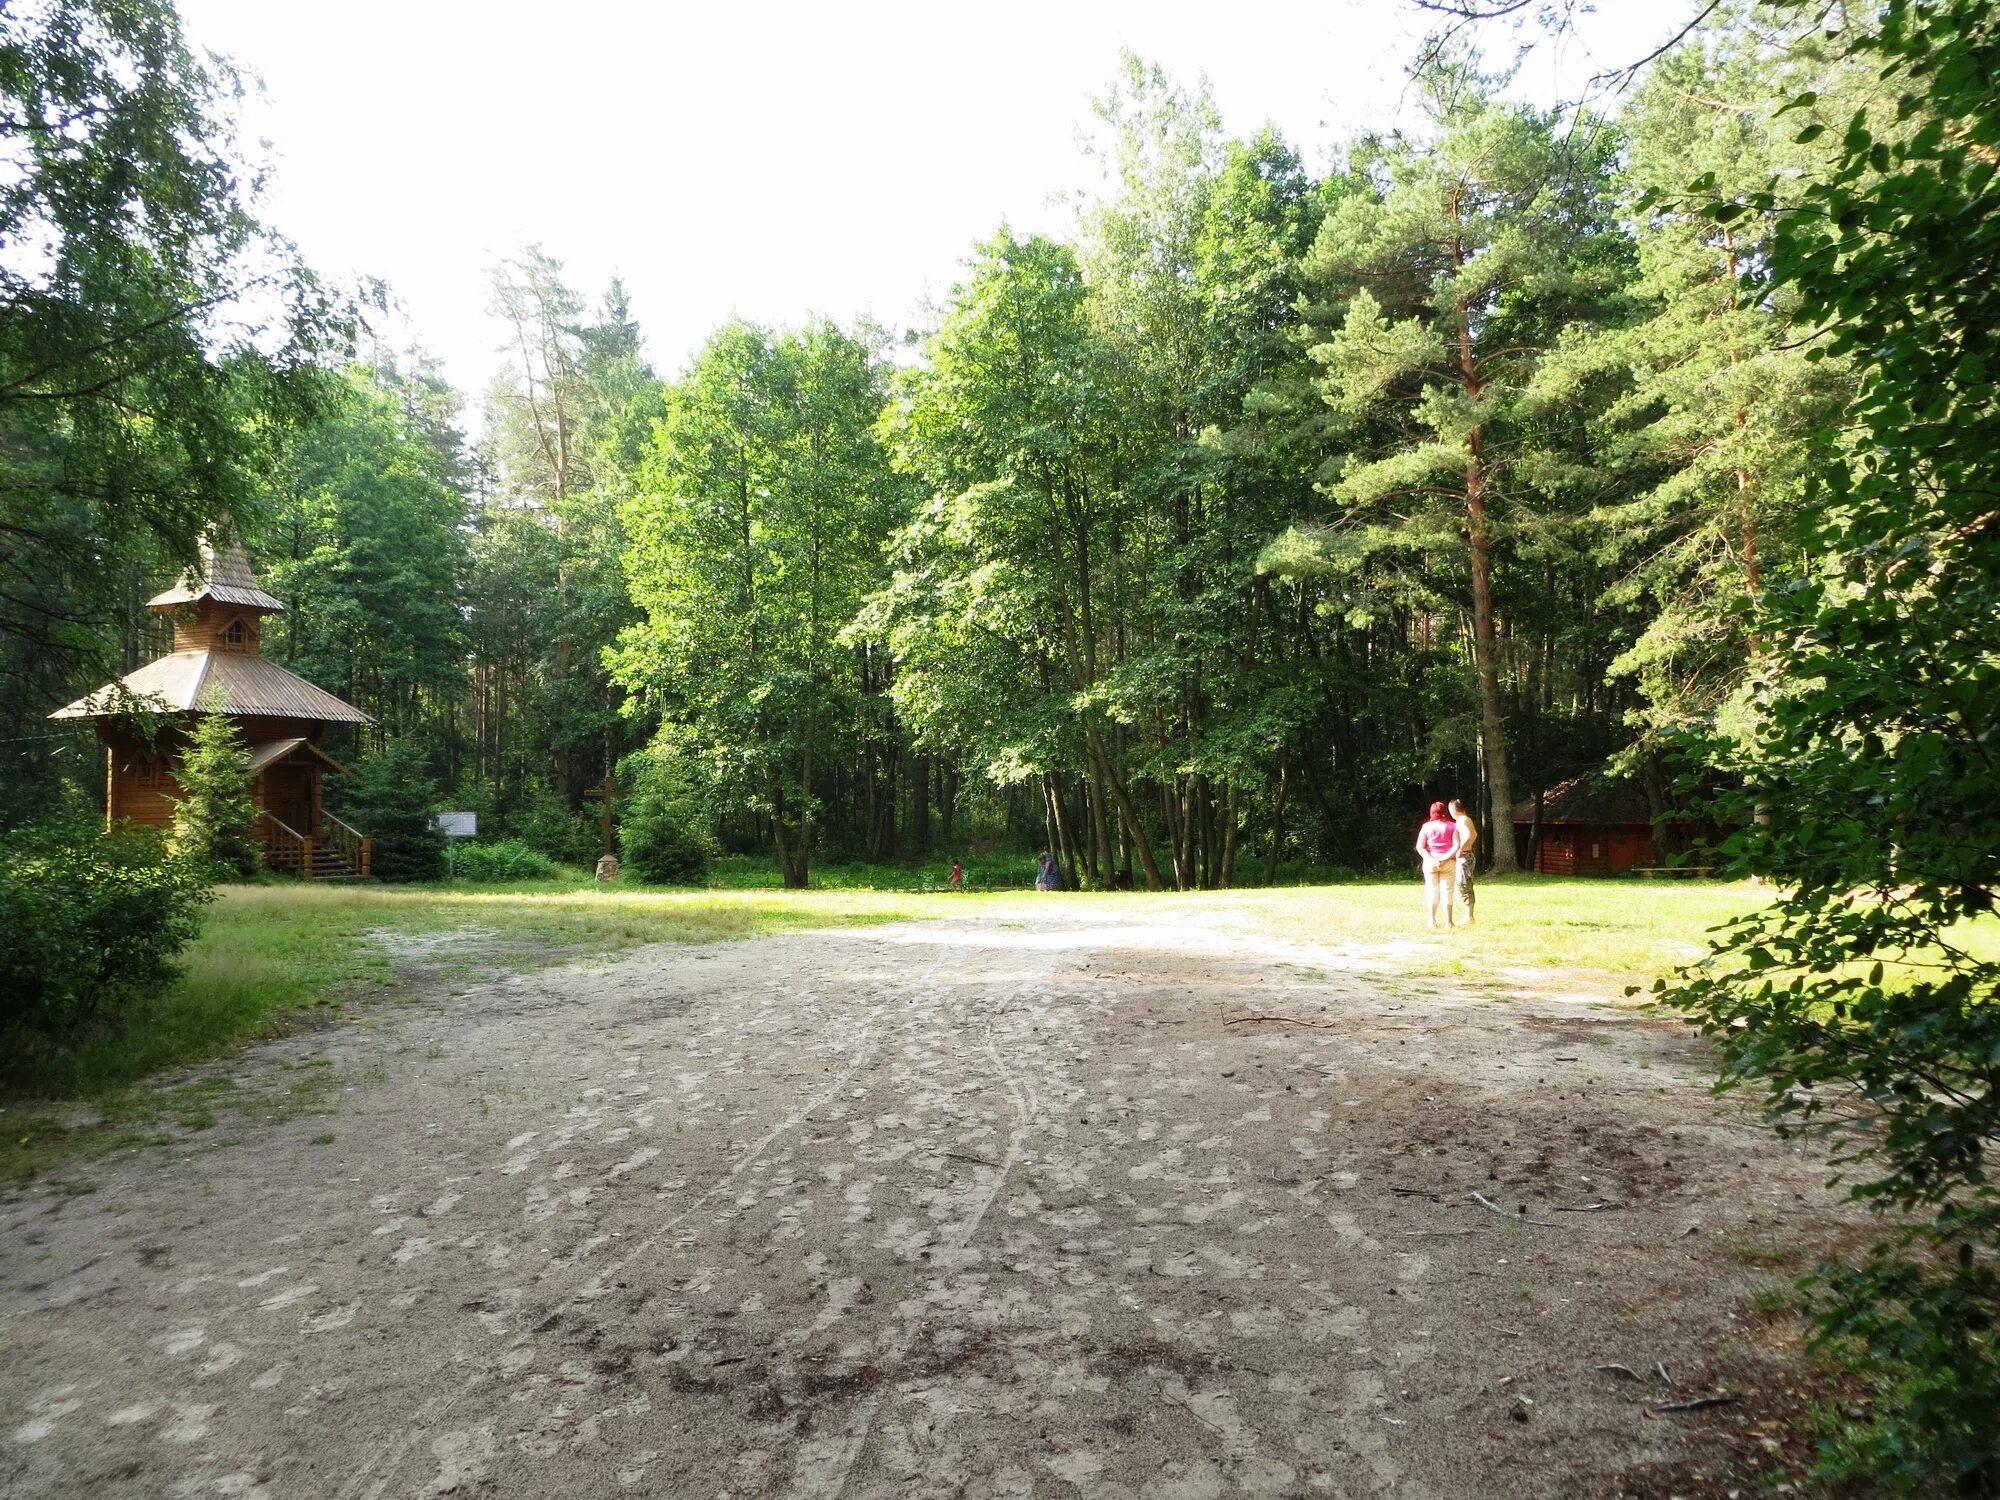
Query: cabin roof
{"type": "Point", "coordinates": [222, 574]}
{"type": "Point", "coordinates": [273, 751]}
{"type": "Point", "coordinates": [238, 682]}
{"type": "Point", "coordinates": [1588, 799]}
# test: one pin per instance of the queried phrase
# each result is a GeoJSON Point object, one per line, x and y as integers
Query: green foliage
{"type": "Point", "coordinates": [755, 534]}
{"type": "Point", "coordinates": [1703, 402]}
{"type": "Point", "coordinates": [215, 818]}
{"type": "Point", "coordinates": [659, 837]}
{"type": "Point", "coordinates": [153, 336]}
{"type": "Point", "coordinates": [391, 798]}
{"type": "Point", "coordinates": [366, 545]}
{"type": "Point", "coordinates": [1453, 264]}
{"type": "Point", "coordinates": [90, 924]}
{"type": "Point", "coordinates": [546, 824]}
{"type": "Point", "coordinates": [570, 419]}
{"type": "Point", "coordinates": [1871, 798]}
{"type": "Point", "coordinates": [499, 862]}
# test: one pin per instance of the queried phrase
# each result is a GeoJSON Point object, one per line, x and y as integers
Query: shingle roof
{"type": "Point", "coordinates": [1588, 799]}
{"type": "Point", "coordinates": [222, 575]}
{"type": "Point", "coordinates": [241, 684]}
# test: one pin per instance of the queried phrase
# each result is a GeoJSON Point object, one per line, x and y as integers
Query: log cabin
{"type": "Point", "coordinates": [217, 666]}
{"type": "Point", "coordinates": [1586, 827]}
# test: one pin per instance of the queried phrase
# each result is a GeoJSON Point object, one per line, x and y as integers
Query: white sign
{"type": "Point", "coordinates": [458, 825]}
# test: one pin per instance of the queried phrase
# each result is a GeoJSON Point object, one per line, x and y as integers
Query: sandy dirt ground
{"type": "Point", "coordinates": [994, 1207]}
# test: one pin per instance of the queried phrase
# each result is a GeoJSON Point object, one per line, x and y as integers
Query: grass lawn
{"type": "Point", "coordinates": [1632, 928]}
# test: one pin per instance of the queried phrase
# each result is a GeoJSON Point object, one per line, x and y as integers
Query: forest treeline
{"type": "Point", "coordinates": [1221, 536]}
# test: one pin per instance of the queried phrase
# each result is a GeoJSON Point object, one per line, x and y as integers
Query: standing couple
{"type": "Point", "coordinates": [1445, 846]}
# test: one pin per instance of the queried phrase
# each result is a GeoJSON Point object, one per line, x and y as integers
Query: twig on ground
{"type": "Point", "coordinates": [1438, 1234]}
{"type": "Point", "coordinates": [1700, 1403]}
{"type": "Point", "coordinates": [1491, 1207]}
{"type": "Point", "coordinates": [1625, 1370]}
{"type": "Point", "coordinates": [1288, 1020]}
{"type": "Point", "coordinates": [1586, 1208]}
{"type": "Point", "coordinates": [1402, 1192]}
{"type": "Point", "coordinates": [1660, 1369]}
{"type": "Point", "coordinates": [961, 1156]}
{"type": "Point", "coordinates": [1189, 1410]}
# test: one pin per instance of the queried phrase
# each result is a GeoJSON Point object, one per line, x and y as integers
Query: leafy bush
{"type": "Point", "coordinates": [90, 924]}
{"type": "Point", "coordinates": [1871, 792]}
{"type": "Point", "coordinates": [504, 860]}
{"type": "Point", "coordinates": [391, 798]}
{"type": "Point", "coordinates": [660, 838]}
{"type": "Point", "coordinates": [547, 824]}
{"type": "Point", "coordinates": [215, 816]}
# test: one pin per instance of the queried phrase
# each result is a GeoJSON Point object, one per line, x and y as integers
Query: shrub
{"type": "Point", "coordinates": [547, 824]}
{"type": "Point", "coordinates": [215, 818]}
{"type": "Point", "coordinates": [504, 860]}
{"type": "Point", "coordinates": [391, 798]}
{"type": "Point", "coordinates": [90, 924]}
{"type": "Point", "coordinates": [1855, 1003]}
{"type": "Point", "coordinates": [660, 839]}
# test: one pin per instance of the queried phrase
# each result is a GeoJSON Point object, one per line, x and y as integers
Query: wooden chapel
{"type": "Point", "coordinates": [217, 666]}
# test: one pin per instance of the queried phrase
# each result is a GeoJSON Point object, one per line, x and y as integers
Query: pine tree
{"type": "Point", "coordinates": [215, 818]}
{"type": "Point", "coordinates": [392, 797]}
{"type": "Point", "coordinates": [1707, 394]}
{"type": "Point", "coordinates": [1458, 261]}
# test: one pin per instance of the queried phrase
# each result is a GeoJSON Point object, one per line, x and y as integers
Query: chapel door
{"type": "Point", "coordinates": [288, 794]}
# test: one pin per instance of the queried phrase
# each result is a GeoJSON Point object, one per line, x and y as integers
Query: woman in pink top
{"type": "Point", "coordinates": [1437, 847]}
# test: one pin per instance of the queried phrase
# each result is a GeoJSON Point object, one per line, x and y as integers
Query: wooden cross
{"type": "Point", "coordinates": [606, 791]}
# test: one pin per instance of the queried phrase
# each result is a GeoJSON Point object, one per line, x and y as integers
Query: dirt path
{"type": "Point", "coordinates": [981, 1207]}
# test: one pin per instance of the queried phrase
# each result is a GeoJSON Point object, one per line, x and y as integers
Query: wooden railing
{"type": "Point", "coordinates": [355, 847]}
{"type": "Point", "coordinates": [285, 848]}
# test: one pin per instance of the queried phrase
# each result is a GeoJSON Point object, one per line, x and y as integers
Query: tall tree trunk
{"type": "Point", "coordinates": [1229, 809]}
{"type": "Point", "coordinates": [947, 800]}
{"type": "Point", "coordinates": [1277, 849]}
{"type": "Point", "coordinates": [1170, 801]}
{"type": "Point", "coordinates": [1062, 845]}
{"type": "Point", "coordinates": [1484, 652]}
{"type": "Point", "coordinates": [801, 871]}
{"type": "Point", "coordinates": [1753, 568]}
{"type": "Point", "coordinates": [1100, 830]}
{"type": "Point", "coordinates": [787, 872]}
{"type": "Point", "coordinates": [1094, 741]}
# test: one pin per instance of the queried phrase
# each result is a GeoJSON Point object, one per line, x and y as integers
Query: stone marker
{"type": "Point", "coordinates": [607, 867]}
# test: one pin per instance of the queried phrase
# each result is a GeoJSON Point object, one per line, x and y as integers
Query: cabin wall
{"type": "Point", "coordinates": [141, 789]}
{"type": "Point", "coordinates": [208, 626]}
{"type": "Point", "coordinates": [1588, 848]}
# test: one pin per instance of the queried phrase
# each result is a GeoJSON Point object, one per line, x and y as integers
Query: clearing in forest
{"type": "Point", "coordinates": [1013, 1200]}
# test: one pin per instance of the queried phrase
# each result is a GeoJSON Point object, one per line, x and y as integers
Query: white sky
{"type": "Point", "coordinates": [771, 159]}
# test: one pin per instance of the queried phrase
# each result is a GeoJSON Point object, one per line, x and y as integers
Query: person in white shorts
{"type": "Point", "coordinates": [1468, 837]}
{"type": "Point", "coordinates": [1437, 847]}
